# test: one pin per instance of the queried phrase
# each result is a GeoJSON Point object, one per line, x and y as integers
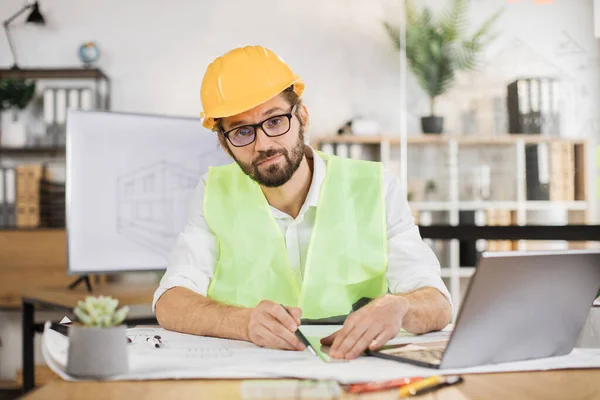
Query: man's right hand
{"type": "Point", "coordinates": [272, 326]}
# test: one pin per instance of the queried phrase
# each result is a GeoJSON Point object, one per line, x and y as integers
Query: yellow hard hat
{"type": "Point", "coordinates": [242, 79]}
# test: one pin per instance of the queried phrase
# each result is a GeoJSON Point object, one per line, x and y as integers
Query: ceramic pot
{"type": "Point", "coordinates": [97, 352]}
{"type": "Point", "coordinates": [432, 124]}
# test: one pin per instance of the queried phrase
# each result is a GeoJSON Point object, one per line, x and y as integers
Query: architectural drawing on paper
{"type": "Point", "coordinates": [153, 201]}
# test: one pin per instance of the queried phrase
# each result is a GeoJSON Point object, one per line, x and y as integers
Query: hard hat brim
{"type": "Point", "coordinates": [209, 122]}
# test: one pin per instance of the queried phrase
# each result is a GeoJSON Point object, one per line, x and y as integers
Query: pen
{"type": "Point", "coordinates": [301, 337]}
{"type": "Point", "coordinates": [375, 386]}
{"type": "Point", "coordinates": [427, 384]}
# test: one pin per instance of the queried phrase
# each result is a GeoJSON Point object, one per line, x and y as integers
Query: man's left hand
{"type": "Point", "coordinates": [369, 327]}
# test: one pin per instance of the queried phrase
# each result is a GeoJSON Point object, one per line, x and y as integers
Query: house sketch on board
{"type": "Point", "coordinates": [153, 204]}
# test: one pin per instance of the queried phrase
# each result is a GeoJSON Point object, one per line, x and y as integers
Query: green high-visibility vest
{"type": "Point", "coordinates": [347, 252]}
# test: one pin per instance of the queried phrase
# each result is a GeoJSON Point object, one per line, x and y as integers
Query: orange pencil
{"type": "Point", "coordinates": [427, 384]}
{"type": "Point", "coordinates": [375, 386]}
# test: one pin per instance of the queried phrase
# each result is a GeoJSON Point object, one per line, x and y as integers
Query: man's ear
{"type": "Point", "coordinates": [224, 144]}
{"type": "Point", "coordinates": [304, 117]}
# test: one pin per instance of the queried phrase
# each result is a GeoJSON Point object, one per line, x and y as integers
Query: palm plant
{"type": "Point", "coordinates": [437, 48]}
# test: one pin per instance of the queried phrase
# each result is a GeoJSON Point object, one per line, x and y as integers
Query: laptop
{"type": "Point", "coordinates": [519, 306]}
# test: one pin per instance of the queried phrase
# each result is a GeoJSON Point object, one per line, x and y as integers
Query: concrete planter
{"type": "Point", "coordinates": [97, 352]}
{"type": "Point", "coordinates": [13, 130]}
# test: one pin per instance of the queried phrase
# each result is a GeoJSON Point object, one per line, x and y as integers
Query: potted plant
{"type": "Point", "coordinates": [15, 95]}
{"type": "Point", "coordinates": [437, 48]}
{"type": "Point", "coordinates": [98, 343]}
{"type": "Point", "coordinates": [430, 189]}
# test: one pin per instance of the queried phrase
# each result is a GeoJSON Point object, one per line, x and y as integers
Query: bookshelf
{"type": "Point", "coordinates": [70, 81]}
{"type": "Point", "coordinates": [454, 161]}
{"type": "Point", "coordinates": [33, 255]}
{"type": "Point", "coordinates": [101, 81]}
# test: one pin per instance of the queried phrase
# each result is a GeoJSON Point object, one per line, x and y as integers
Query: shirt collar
{"type": "Point", "coordinates": [319, 168]}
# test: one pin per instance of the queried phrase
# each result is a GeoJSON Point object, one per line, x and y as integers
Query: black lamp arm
{"type": "Point", "coordinates": [15, 15]}
{"type": "Point", "coordinates": [9, 38]}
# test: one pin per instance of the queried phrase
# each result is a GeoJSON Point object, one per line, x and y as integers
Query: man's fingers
{"type": "Point", "coordinates": [380, 340]}
{"type": "Point", "coordinates": [362, 343]}
{"type": "Point", "coordinates": [272, 341]}
{"type": "Point", "coordinates": [328, 341]}
{"type": "Point", "coordinates": [341, 346]}
{"type": "Point", "coordinates": [340, 337]}
{"type": "Point", "coordinates": [274, 326]}
{"type": "Point", "coordinates": [280, 314]}
{"type": "Point", "coordinates": [296, 314]}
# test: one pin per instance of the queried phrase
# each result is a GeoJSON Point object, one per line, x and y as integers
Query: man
{"type": "Point", "coordinates": [286, 233]}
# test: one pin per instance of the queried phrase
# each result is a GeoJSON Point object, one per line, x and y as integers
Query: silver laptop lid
{"type": "Point", "coordinates": [524, 305]}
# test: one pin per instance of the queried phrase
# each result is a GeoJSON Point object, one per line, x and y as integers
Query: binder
{"type": "Point", "coordinates": [2, 197]}
{"type": "Point", "coordinates": [547, 119]}
{"type": "Point", "coordinates": [22, 196]}
{"type": "Point", "coordinates": [341, 150]}
{"type": "Point", "coordinates": [535, 116]}
{"type": "Point", "coordinates": [86, 99]}
{"type": "Point", "coordinates": [73, 98]}
{"type": "Point", "coordinates": [9, 197]}
{"type": "Point", "coordinates": [355, 151]}
{"type": "Point", "coordinates": [49, 109]}
{"type": "Point", "coordinates": [61, 106]}
{"type": "Point", "coordinates": [519, 106]}
{"type": "Point", "coordinates": [555, 99]}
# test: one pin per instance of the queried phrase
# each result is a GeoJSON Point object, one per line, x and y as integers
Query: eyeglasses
{"type": "Point", "coordinates": [272, 127]}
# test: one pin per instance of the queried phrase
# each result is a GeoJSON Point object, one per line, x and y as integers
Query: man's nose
{"type": "Point", "coordinates": [262, 141]}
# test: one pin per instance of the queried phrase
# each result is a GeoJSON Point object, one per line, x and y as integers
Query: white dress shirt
{"type": "Point", "coordinates": [411, 263]}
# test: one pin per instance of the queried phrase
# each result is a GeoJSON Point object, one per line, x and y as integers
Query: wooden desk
{"type": "Point", "coordinates": [31, 258]}
{"type": "Point", "coordinates": [63, 299]}
{"type": "Point", "coordinates": [568, 384]}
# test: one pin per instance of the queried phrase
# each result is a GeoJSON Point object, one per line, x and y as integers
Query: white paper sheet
{"type": "Point", "coordinates": [188, 356]}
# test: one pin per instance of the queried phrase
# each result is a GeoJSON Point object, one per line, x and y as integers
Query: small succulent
{"type": "Point", "coordinates": [100, 312]}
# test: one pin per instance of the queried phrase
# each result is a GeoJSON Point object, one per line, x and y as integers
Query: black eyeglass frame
{"type": "Point", "coordinates": [289, 116]}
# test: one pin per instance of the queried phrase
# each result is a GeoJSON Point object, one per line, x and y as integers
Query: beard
{"type": "Point", "coordinates": [275, 175]}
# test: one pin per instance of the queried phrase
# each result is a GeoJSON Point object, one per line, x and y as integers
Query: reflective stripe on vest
{"type": "Point", "coordinates": [347, 252]}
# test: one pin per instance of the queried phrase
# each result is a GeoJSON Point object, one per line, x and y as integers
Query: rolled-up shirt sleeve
{"type": "Point", "coordinates": [192, 261]}
{"type": "Point", "coordinates": [412, 264]}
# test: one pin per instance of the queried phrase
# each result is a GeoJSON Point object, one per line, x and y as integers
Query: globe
{"type": "Point", "coordinates": [89, 53]}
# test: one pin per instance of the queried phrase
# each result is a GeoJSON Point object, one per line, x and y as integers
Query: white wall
{"type": "Point", "coordinates": [156, 52]}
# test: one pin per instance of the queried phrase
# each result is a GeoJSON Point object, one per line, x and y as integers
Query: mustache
{"type": "Point", "coordinates": [263, 155]}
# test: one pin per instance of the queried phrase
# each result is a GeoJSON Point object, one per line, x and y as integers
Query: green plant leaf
{"type": "Point", "coordinates": [437, 49]}
{"type": "Point", "coordinates": [453, 22]}
{"type": "Point", "coordinates": [16, 93]}
{"type": "Point", "coordinates": [100, 312]}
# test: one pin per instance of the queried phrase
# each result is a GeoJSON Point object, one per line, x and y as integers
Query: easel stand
{"type": "Point", "coordinates": [83, 278]}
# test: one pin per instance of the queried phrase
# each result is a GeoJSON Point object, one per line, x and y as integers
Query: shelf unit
{"type": "Point", "coordinates": [36, 257]}
{"type": "Point", "coordinates": [382, 148]}
{"type": "Point", "coordinates": [100, 79]}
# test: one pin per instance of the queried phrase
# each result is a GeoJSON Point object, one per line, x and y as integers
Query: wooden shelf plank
{"type": "Point", "coordinates": [53, 73]}
{"type": "Point", "coordinates": [32, 150]}
{"type": "Point", "coordinates": [506, 139]}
